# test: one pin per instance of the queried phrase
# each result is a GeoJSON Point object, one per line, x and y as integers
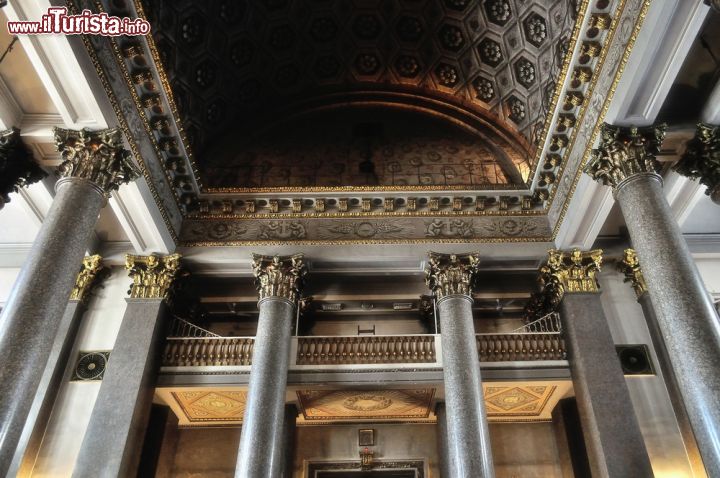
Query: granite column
{"type": "Point", "coordinates": [685, 314]}
{"type": "Point", "coordinates": [114, 437]}
{"type": "Point", "coordinates": [450, 278]}
{"type": "Point", "coordinates": [442, 436]}
{"type": "Point", "coordinates": [94, 164]}
{"type": "Point", "coordinates": [279, 281]}
{"type": "Point", "coordinates": [615, 444]}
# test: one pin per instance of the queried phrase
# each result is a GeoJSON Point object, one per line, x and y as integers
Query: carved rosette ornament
{"type": "Point", "coordinates": [154, 276]}
{"type": "Point", "coordinates": [17, 167]}
{"type": "Point", "coordinates": [451, 274]}
{"type": "Point", "coordinates": [702, 159]}
{"type": "Point", "coordinates": [624, 152]}
{"type": "Point", "coordinates": [630, 266]}
{"type": "Point", "coordinates": [98, 156]}
{"type": "Point", "coordinates": [92, 269]}
{"type": "Point", "coordinates": [279, 276]}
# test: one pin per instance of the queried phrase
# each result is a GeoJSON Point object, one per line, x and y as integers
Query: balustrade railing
{"type": "Point", "coordinates": [527, 346]}
{"type": "Point", "coordinates": [371, 349]}
{"type": "Point", "coordinates": [208, 351]}
{"type": "Point", "coordinates": [354, 350]}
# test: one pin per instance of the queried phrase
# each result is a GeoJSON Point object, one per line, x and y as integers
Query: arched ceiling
{"type": "Point", "coordinates": [236, 65]}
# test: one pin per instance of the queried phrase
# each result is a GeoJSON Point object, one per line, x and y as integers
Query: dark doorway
{"type": "Point", "coordinates": [368, 474]}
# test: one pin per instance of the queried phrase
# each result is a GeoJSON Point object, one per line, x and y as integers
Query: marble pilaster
{"type": "Point", "coordinates": [279, 281]}
{"type": "Point", "coordinates": [612, 434]}
{"type": "Point", "coordinates": [685, 314]}
{"type": "Point", "coordinates": [56, 369]}
{"type": "Point", "coordinates": [94, 164]}
{"type": "Point", "coordinates": [17, 168]}
{"type": "Point", "coordinates": [450, 277]}
{"type": "Point", "coordinates": [113, 440]}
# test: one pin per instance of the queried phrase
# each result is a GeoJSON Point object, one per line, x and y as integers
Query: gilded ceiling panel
{"type": "Point", "coordinates": [326, 405]}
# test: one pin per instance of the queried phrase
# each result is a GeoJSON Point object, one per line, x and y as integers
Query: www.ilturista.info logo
{"type": "Point", "coordinates": [57, 21]}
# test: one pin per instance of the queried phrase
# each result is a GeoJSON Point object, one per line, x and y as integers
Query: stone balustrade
{"type": "Point", "coordinates": [521, 347]}
{"type": "Point", "coordinates": [356, 350]}
{"type": "Point", "coordinates": [366, 349]}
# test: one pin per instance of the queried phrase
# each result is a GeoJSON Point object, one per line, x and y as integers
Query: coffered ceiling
{"type": "Point", "coordinates": [339, 122]}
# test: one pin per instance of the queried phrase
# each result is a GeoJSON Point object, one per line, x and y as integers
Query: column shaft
{"type": "Point", "coordinates": [260, 452]}
{"type": "Point", "coordinates": [114, 437]}
{"type": "Point", "coordinates": [685, 315]}
{"type": "Point", "coordinates": [614, 442]}
{"type": "Point", "coordinates": [442, 440]}
{"type": "Point", "coordinates": [290, 428]}
{"type": "Point", "coordinates": [468, 437]}
{"type": "Point", "coordinates": [37, 302]}
{"type": "Point", "coordinates": [55, 372]}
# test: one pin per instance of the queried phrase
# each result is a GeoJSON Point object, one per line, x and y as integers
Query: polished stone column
{"type": "Point", "coordinates": [685, 314]}
{"type": "Point", "coordinates": [612, 434]}
{"type": "Point", "coordinates": [630, 267]}
{"type": "Point", "coordinates": [442, 436]}
{"type": "Point", "coordinates": [701, 159]}
{"type": "Point", "coordinates": [114, 437]}
{"type": "Point", "coordinates": [17, 167]}
{"type": "Point", "coordinates": [279, 281]}
{"type": "Point", "coordinates": [56, 369]}
{"type": "Point", "coordinates": [450, 278]}
{"type": "Point", "coordinates": [94, 164]}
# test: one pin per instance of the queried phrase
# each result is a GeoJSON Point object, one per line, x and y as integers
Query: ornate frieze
{"type": "Point", "coordinates": [624, 152]}
{"type": "Point", "coordinates": [98, 156]}
{"type": "Point", "coordinates": [154, 276]}
{"type": "Point", "coordinates": [17, 168]}
{"type": "Point", "coordinates": [92, 269]}
{"type": "Point", "coordinates": [279, 276]}
{"type": "Point", "coordinates": [702, 159]}
{"type": "Point", "coordinates": [451, 274]}
{"type": "Point", "coordinates": [630, 266]}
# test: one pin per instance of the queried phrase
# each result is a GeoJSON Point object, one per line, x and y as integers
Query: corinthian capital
{"type": "Point", "coordinates": [98, 156]}
{"type": "Point", "coordinates": [92, 269]}
{"type": "Point", "coordinates": [17, 168]}
{"type": "Point", "coordinates": [569, 272]}
{"type": "Point", "coordinates": [451, 274]}
{"type": "Point", "coordinates": [630, 266]}
{"type": "Point", "coordinates": [624, 152]}
{"type": "Point", "coordinates": [279, 276]}
{"type": "Point", "coordinates": [154, 276]}
{"type": "Point", "coordinates": [702, 159]}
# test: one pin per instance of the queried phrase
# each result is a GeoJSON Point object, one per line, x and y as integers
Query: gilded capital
{"type": "Point", "coordinates": [702, 159]}
{"type": "Point", "coordinates": [279, 276]}
{"type": "Point", "coordinates": [98, 156]}
{"type": "Point", "coordinates": [17, 167]}
{"type": "Point", "coordinates": [630, 266]}
{"type": "Point", "coordinates": [572, 272]}
{"type": "Point", "coordinates": [154, 276]}
{"type": "Point", "coordinates": [451, 274]}
{"type": "Point", "coordinates": [92, 269]}
{"type": "Point", "coordinates": [624, 152]}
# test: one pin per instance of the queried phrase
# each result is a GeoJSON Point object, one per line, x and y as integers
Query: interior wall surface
{"type": "Point", "coordinates": [648, 394]}
{"type": "Point", "coordinates": [75, 400]}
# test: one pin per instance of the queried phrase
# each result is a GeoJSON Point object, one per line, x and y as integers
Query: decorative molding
{"type": "Point", "coordinates": [630, 266]}
{"type": "Point", "coordinates": [154, 276]}
{"type": "Point", "coordinates": [17, 166]}
{"type": "Point", "coordinates": [624, 152]}
{"type": "Point", "coordinates": [702, 159]}
{"type": "Point", "coordinates": [98, 156]}
{"type": "Point", "coordinates": [92, 269]}
{"type": "Point", "coordinates": [344, 405]}
{"type": "Point", "coordinates": [279, 276]}
{"type": "Point", "coordinates": [451, 274]}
